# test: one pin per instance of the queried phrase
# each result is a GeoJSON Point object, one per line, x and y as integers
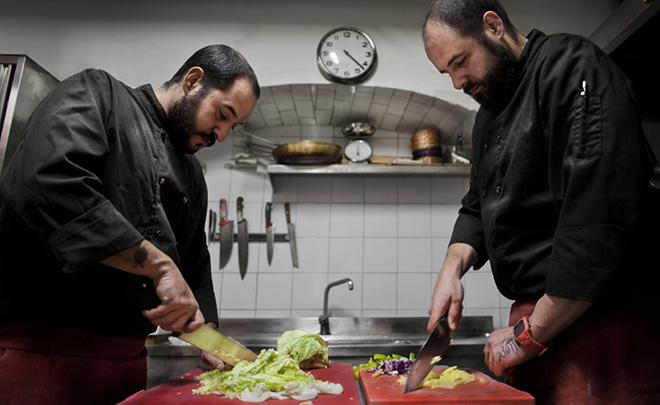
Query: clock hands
{"type": "Point", "coordinates": [353, 59]}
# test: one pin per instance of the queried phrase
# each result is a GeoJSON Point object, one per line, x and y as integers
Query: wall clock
{"type": "Point", "coordinates": [346, 55]}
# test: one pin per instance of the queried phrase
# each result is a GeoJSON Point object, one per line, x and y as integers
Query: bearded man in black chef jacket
{"type": "Point", "coordinates": [102, 228]}
{"type": "Point", "coordinates": [559, 203]}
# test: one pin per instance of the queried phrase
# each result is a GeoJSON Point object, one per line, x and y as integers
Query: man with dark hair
{"type": "Point", "coordinates": [559, 203]}
{"type": "Point", "coordinates": [102, 228]}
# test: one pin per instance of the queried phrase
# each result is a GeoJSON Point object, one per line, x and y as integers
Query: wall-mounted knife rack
{"type": "Point", "coordinates": [253, 237]}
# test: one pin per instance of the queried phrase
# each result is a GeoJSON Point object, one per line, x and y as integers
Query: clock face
{"type": "Point", "coordinates": [346, 55]}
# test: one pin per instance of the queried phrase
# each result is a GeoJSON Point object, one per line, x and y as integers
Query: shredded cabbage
{"type": "Point", "coordinates": [449, 378]}
{"type": "Point", "coordinates": [375, 363]}
{"type": "Point", "coordinates": [269, 376]}
{"type": "Point", "coordinates": [393, 366]}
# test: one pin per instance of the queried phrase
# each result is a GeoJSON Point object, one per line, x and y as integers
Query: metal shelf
{"type": "Point", "coordinates": [457, 170]}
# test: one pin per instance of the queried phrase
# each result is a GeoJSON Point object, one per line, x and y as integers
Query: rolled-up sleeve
{"type": "Point", "coordinates": [54, 180]}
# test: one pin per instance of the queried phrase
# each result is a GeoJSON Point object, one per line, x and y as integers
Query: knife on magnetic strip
{"type": "Point", "coordinates": [242, 238]}
{"type": "Point", "coordinates": [270, 233]}
{"type": "Point", "coordinates": [436, 345]}
{"type": "Point", "coordinates": [219, 345]}
{"type": "Point", "coordinates": [226, 234]}
{"type": "Point", "coordinates": [292, 236]}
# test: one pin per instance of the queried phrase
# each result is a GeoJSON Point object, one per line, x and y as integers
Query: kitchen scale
{"type": "Point", "coordinates": [358, 150]}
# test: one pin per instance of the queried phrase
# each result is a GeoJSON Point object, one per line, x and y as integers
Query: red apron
{"type": "Point", "coordinates": [49, 365]}
{"type": "Point", "coordinates": [610, 355]}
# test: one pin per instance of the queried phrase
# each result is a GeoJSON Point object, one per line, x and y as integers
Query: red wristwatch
{"type": "Point", "coordinates": [522, 333]}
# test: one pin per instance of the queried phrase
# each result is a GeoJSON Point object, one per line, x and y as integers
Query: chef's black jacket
{"type": "Point", "coordinates": [559, 199]}
{"type": "Point", "coordinates": [97, 173]}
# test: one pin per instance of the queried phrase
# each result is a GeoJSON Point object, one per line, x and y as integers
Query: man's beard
{"type": "Point", "coordinates": [182, 116]}
{"type": "Point", "coordinates": [497, 84]}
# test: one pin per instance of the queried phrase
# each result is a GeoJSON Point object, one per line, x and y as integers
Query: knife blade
{"type": "Point", "coordinates": [209, 235]}
{"type": "Point", "coordinates": [219, 345]}
{"type": "Point", "coordinates": [242, 238]}
{"type": "Point", "coordinates": [436, 345]}
{"type": "Point", "coordinates": [292, 235]}
{"type": "Point", "coordinates": [226, 234]}
{"type": "Point", "coordinates": [270, 233]}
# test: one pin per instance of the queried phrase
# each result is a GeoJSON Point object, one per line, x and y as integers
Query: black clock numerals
{"type": "Point", "coordinates": [346, 55]}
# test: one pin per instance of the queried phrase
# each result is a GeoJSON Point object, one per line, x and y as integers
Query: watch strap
{"type": "Point", "coordinates": [523, 337]}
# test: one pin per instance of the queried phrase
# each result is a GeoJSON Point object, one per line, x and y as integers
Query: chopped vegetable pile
{"type": "Point", "coordinates": [449, 378]}
{"type": "Point", "coordinates": [270, 376]}
{"type": "Point", "coordinates": [393, 364]}
{"type": "Point", "coordinates": [275, 374]}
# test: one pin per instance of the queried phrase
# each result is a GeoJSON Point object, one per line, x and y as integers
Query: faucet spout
{"type": "Point", "coordinates": [324, 319]}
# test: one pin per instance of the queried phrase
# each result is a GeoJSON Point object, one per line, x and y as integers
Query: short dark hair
{"type": "Point", "coordinates": [466, 16]}
{"type": "Point", "coordinates": [222, 65]}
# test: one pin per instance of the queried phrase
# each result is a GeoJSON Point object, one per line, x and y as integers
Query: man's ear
{"type": "Point", "coordinates": [493, 25]}
{"type": "Point", "coordinates": [192, 79]}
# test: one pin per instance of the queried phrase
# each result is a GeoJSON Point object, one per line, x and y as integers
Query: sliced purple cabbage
{"type": "Point", "coordinates": [393, 366]}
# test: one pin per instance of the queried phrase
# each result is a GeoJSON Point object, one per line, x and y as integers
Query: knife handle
{"type": "Point", "coordinates": [287, 211]}
{"type": "Point", "coordinates": [223, 209]}
{"type": "Point", "coordinates": [268, 211]}
{"type": "Point", "coordinates": [239, 208]}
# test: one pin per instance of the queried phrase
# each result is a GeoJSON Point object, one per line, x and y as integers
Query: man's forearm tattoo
{"type": "Point", "coordinates": [139, 257]}
{"type": "Point", "coordinates": [508, 346]}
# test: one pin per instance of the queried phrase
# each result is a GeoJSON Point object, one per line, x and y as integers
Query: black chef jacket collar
{"type": "Point", "coordinates": [156, 111]}
{"type": "Point", "coordinates": [530, 47]}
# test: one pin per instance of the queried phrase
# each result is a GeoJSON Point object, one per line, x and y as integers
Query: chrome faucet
{"type": "Point", "coordinates": [324, 319]}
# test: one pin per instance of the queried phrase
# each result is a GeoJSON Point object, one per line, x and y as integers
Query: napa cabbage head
{"type": "Point", "coordinates": [307, 349]}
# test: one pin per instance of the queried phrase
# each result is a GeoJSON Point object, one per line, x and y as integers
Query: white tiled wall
{"type": "Point", "coordinates": [388, 234]}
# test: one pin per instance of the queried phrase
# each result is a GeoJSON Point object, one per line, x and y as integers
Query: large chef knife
{"type": "Point", "coordinates": [226, 234]}
{"type": "Point", "coordinates": [436, 345]}
{"type": "Point", "coordinates": [292, 236]}
{"type": "Point", "coordinates": [219, 345]}
{"type": "Point", "coordinates": [270, 233]}
{"type": "Point", "coordinates": [242, 238]}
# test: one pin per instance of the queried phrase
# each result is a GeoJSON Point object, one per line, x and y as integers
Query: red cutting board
{"type": "Point", "coordinates": [385, 390]}
{"type": "Point", "coordinates": [179, 390]}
